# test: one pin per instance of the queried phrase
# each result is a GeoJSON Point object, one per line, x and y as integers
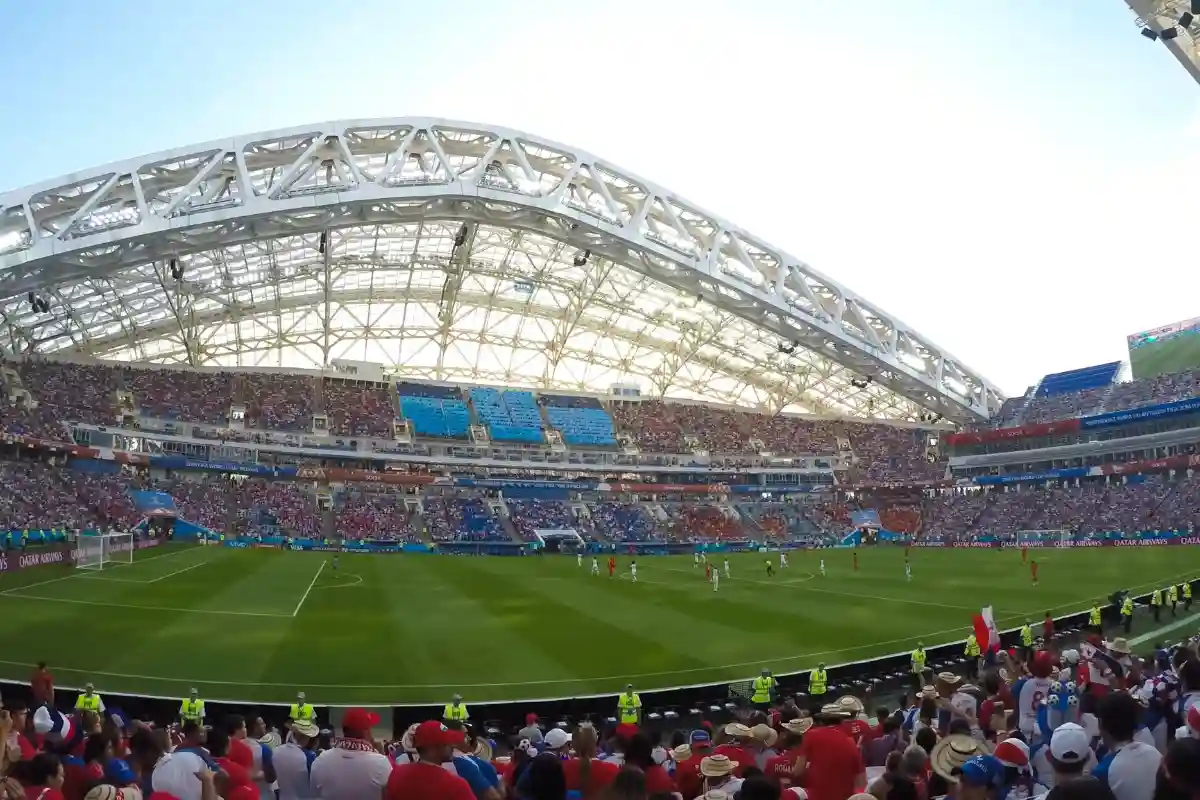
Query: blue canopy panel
{"type": "Point", "coordinates": [1078, 380]}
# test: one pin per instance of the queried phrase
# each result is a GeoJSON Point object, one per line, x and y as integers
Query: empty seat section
{"type": "Point", "coordinates": [580, 420]}
{"type": "Point", "coordinates": [1077, 380]}
{"type": "Point", "coordinates": [509, 416]}
{"type": "Point", "coordinates": [437, 411]}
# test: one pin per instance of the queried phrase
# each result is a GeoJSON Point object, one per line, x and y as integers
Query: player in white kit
{"type": "Point", "coordinates": [907, 571]}
{"type": "Point", "coordinates": [727, 568]}
{"type": "Point", "coordinates": [595, 566]}
{"type": "Point", "coordinates": [633, 571]}
{"type": "Point", "coordinates": [716, 577]}
{"type": "Point", "coordinates": [579, 559]}
{"type": "Point", "coordinates": [822, 568]}
{"type": "Point", "coordinates": [696, 560]}
{"type": "Point", "coordinates": [783, 560]}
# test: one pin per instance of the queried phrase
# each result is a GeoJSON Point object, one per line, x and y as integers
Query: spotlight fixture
{"type": "Point", "coordinates": [1149, 33]}
{"type": "Point", "coordinates": [461, 237]}
{"type": "Point", "coordinates": [1185, 20]}
{"type": "Point", "coordinates": [1169, 33]}
{"type": "Point", "coordinates": [322, 242]}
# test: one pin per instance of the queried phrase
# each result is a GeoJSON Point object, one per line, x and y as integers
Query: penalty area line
{"type": "Point", "coordinates": [311, 584]}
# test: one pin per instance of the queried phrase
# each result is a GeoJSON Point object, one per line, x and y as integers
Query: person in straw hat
{"type": "Point", "coordinates": [718, 773]}
{"type": "Point", "coordinates": [762, 742]}
{"type": "Point", "coordinates": [779, 768]}
{"type": "Point", "coordinates": [736, 740]}
{"type": "Point", "coordinates": [948, 756]}
{"type": "Point", "coordinates": [830, 764]}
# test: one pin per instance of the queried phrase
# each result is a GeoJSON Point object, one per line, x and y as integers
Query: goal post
{"type": "Point", "coordinates": [1050, 536]}
{"type": "Point", "coordinates": [103, 550]}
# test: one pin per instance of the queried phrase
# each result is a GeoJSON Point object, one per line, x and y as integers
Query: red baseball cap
{"type": "Point", "coordinates": [530, 719]}
{"type": "Point", "coordinates": [359, 719]}
{"type": "Point", "coordinates": [626, 729]}
{"type": "Point", "coordinates": [435, 734]}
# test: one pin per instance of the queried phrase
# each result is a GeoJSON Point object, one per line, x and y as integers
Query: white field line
{"type": "Point", "coordinates": [177, 572]}
{"type": "Point", "coordinates": [311, 584]}
{"type": "Point", "coordinates": [105, 604]}
{"type": "Point", "coordinates": [77, 574]}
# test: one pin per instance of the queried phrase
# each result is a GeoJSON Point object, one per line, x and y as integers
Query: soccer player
{"type": "Point", "coordinates": [727, 567]}
{"type": "Point", "coordinates": [335, 562]}
{"type": "Point", "coordinates": [695, 560]}
{"type": "Point", "coordinates": [716, 579]}
{"type": "Point", "coordinates": [1024, 554]}
{"type": "Point", "coordinates": [1033, 571]}
{"type": "Point", "coordinates": [822, 568]}
{"type": "Point", "coordinates": [907, 570]}
{"type": "Point", "coordinates": [783, 560]}
{"type": "Point", "coordinates": [708, 571]}
{"type": "Point", "coordinates": [595, 566]}
{"type": "Point", "coordinates": [612, 566]}
{"type": "Point", "coordinates": [633, 571]}
{"type": "Point", "coordinates": [770, 568]}
{"type": "Point", "coordinates": [579, 558]}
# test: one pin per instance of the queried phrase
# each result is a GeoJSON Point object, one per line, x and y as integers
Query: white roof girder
{"type": "Point", "coordinates": [206, 204]}
{"type": "Point", "coordinates": [1161, 15]}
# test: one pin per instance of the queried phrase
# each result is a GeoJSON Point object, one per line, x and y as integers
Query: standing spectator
{"type": "Point", "coordinates": [237, 783]}
{"type": "Point", "coordinates": [735, 735]}
{"type": "Point", "coordinates": [718, 773]}
{"type": "Point", "coordinates": [544, 780]}
{"type": "Point", "coordinates": [1181, 767]}
{"type": "Point", "coordinates": [640, 754]}
{"type": "Point", "coordinates": [424, 779]}
{"type": "Point", "coordinates": [41, 683]}
{"type": "Point", "coordinates": [293, 762]}
{"type": "Point", "coordinates": [531, 731]}
{"type": "Point", "coordinates": [830, 764]}
{"type": "Point", "coordinates": [43, 777]}
{"type": "Point", "coordinates": [780, 767]}
{"type": "Point", "coordinates": [1131, 767]}
{"type": "Point", "coordinates": [352, 768]}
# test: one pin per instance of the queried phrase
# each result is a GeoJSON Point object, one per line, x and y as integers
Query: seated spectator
{"type": "Point", "coordinates": [353, 768]}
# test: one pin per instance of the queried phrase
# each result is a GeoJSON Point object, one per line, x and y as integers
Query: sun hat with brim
{"type": "Point", "coordinates": [737, 730]}
{"type": "Point", "coordinates": [306, 727]}
{"type": "Point", "coordinates": [765, 734]}
{"type": "Point", "coordinates": [833, 711]}
{"type": "Point", "coordinates": [952, 752]}
{"type": "Point", "coordinates": [851, 704]}
{"type": "Point", "coordinates": [798, 726]}
{"type": "Point", "coordinates": [928, 691]}
{"type": "Point", "coordinates": [681, 753]}
{"type": "Point", "coordinates": [1119, 645]}
{"type": "Point", "coordinates": [717, 766]}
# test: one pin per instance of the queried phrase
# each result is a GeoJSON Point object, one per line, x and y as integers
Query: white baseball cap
{"type": "Point", "coordinates": [1070, 744]}
{"type": "Point", "coordinates": [556, 738]}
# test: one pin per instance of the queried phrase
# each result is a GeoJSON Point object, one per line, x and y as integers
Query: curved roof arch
{"type": "Point", "coordinates": [449, 251]}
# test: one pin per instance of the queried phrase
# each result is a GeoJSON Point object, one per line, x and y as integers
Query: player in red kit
{"type": "Point", "coordinates": [707, 572]}
{"type": "Point", "coordinates": [612, 565]}
{"type": "Point", "coordinates": [1024, 554]}
{"type": "Point", "coordinates": [1033, 571]}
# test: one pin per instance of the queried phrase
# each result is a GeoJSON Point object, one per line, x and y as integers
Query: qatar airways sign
{"type": "Point", "coordinates": [14, 561]}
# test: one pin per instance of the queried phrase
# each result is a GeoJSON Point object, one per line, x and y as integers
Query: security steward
{"type": "Point", "coordinates": [917, 662]}
{"type": "Point", "coordinates": [629, 707]}
{"type": "Point", "coordinates": [192, 708]}
{"type": "Point", "coordinates": [455, 711]}
{"type": "Point", "coordinates": [89, 700]}
{"type": "Point", "coordinates": [1156, 601]}
{"type": "Point", "coordinates": [1127, 613]}
{"type": "Point", "coordinates": [1186, 589]}
{"type": "Point", "coordinates": [818, 686]}
{"type": "Point", "coordinates": [1027, 640]}
{"type": "Point", "coordinates": [971, 651]}
{"type": "Point", "coordinates": [764, 690]}
{"type": "Point", "coordinates": [302, 711]}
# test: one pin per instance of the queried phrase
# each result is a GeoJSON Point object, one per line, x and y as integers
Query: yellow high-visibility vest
{"type": "Point", "coordinates": [762, 689]}
{"type": "Point", "coordinates": [1187, 591]}
{"type": "Point", "coordinates": [192, 710]}
{"type": "Point", "coordinates": [972, 648]}
{"type": "Point", "coordinates": [302, 711]}
{"type": "Point", "coordinates": [918, 660]}
{"type": "Point", "coordinates": [455, 712]}
{"type": "Point", "coordinates": [1127, 607]}
{"type": "Point", "coordinates": [1173, 594]}
{"type": "Point", "coordinates": [1027, 636]}
{"type": "Point", "coordinates": [627, 707]}
{"type": "Point", "coordinates": [1094, 616]}
{"type": "Point", "coordinates": [88, 702]}
{"type": "Point", "coordinates": [1156, 598]}
{"type": "Point", "coordinates": [818, 682]}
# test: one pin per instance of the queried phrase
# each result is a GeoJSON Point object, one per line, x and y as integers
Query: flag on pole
{"type": "Point", "coordinates": [986, 633]}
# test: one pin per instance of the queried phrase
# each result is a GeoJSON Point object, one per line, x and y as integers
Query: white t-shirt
{"type": "Point", "coordinates": [339, 774]}
{"type": "Point", "coordinates": [175, 773]}
{"type": "Point", "coordinates": [292, 763]}
{"type": "Point", "coordinates": [1133, 771]}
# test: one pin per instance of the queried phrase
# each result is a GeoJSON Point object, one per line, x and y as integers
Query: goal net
{"type": "Point", "coordinates": [103, 550]}
{"type": "Point", "coordinates": [1049, 537]}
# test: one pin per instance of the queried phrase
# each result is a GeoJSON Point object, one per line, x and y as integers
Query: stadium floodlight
{"type": "Point", "coordinates": [101, 550]}
{"type": "Point", "coordinates": [1150, 33]}
{"type": "Point", "coordinates": [1168, 33]}
{"type": "Point", "coordinates": [1185, 20]}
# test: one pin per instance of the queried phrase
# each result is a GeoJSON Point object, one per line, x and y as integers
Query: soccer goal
{"type": "Point", "coordinates": [103, 550]}
{"type": "Point", "coordinates": [1049, 538]}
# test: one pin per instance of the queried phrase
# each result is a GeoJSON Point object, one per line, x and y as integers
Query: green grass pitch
{"type": "Point", "coordinates": [258, 625]}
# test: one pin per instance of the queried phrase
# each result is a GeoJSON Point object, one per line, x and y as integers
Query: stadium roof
{"type": "Point", "coordinates": [449, 251]}
{"type": "Point", "coordinates": [1159, 16]}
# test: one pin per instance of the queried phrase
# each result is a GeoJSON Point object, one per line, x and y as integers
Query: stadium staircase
{"type": "Point", "coordinates": [507, 524]}
{"type": "Point", "coordinates": [749, 523]}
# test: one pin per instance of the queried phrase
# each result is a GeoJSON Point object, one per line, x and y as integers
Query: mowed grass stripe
{"type": "Point", "coordinates": [417, 628]}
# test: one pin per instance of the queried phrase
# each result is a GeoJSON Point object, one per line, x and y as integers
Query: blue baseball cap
{"type": "Point", "coordinates": [700, 736]}
{"type": "Point", "coordinates": [117, 771]}
{"type": "Point", "coordinates": [983, 771]}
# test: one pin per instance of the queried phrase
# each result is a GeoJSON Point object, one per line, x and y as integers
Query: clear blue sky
{"type": "Point", "coordinates": [1013, 179]}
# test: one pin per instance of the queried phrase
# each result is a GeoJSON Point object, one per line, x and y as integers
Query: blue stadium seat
{"type": "Point", "coordinates": [1078, 380]}
{"type": "Point", "coordinates": [582, 426]}
{"type": "Point", "coordinates": [432, 416]}
{"type": "Point", "coordinates": [509, 416]}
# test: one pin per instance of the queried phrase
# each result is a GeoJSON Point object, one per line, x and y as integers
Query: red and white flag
{"type": "Point", "coordinates": [985, 630]}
